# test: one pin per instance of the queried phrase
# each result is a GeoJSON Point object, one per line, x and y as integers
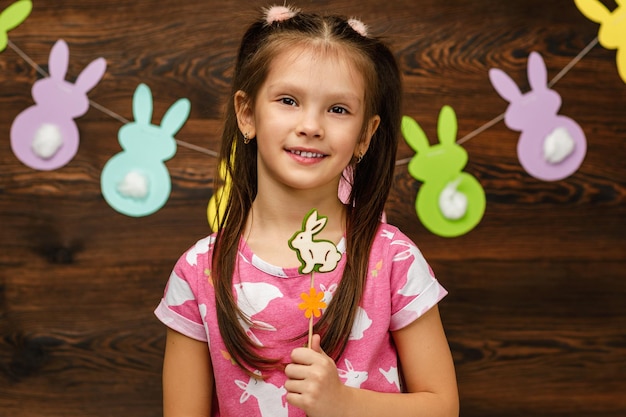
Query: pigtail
{"type": "Point", "coordinates": [372, 179]}
{"type": "Point", "coordinates": [241, 168]}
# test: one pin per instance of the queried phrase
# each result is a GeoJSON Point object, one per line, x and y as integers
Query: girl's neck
{"type": "Point", "coordinates": [273, 221]}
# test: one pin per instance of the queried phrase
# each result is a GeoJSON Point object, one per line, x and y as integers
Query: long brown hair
{"type": "Point", "coordinates": [372, 176]}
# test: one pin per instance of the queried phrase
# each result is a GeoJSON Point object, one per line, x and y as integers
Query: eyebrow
{"type": "Point", "coordinates": [340, 95]}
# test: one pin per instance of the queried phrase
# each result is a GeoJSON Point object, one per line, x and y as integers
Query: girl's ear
{"type": "Point", "coordinates": [244, 113]}
{"type": "Point", "coordinates": [363, 145]}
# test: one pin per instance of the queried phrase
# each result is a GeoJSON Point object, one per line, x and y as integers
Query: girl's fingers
{"type": "Point", "coordinates": [295, 386]}
{"type": "Point", "coordinates": [295, 399]}
{"type": "Point", "coordinates": [306, 356]}
{"type": "Point", "coordinates": [295, 371]}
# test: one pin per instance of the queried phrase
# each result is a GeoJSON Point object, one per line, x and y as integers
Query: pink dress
{"type": "Point", "coordinates": [400, 288]}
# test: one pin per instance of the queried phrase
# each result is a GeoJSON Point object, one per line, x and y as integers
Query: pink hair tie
{"type": "Point", "coordinates": [358, 26]}
{"type": "Point", "coordinates": [279, 14]}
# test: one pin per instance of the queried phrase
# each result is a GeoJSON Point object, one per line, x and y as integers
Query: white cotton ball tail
{"type": "Point", "coordinates": [134, 185]}
{"type": "Point", "coordinates": [452, 203]}
{"type": "Point", "coordinates": [557, 146]}
{"type": "Point", "coordinates": [47, 142]}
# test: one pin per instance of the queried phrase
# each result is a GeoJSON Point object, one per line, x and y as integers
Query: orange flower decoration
{"type": "Point", "coordinates": [312, 304]}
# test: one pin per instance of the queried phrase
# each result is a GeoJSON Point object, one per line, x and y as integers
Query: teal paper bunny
{"type": "Point", "coordinates": [136, 181]}
{"type": "Point", "coordinates": [449, 202]}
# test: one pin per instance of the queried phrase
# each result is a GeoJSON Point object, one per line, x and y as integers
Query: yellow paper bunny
{"type": "Point", "coordinates": [612, 33]}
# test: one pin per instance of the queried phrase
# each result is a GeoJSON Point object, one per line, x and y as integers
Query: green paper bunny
{"type": "Point", "coordinates": [11, 17]}
{"type": "Point", "coordinates": [450, 202]}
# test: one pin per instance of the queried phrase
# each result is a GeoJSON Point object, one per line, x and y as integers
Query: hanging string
{"type": "Point", "coordinates": [26, 58]}
{"type": "Point", "coordinates": [573, 62]}
{"type": "Point", "coordinates": [399, 162]}
{"type": "Point", "coordinates": [100, 107]}
{"type": "Point", "coordinates": [106, 111]}
{"type": "Point", "coordinates": [500, 117]}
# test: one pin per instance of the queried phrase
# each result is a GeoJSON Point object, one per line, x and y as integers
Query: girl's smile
{"type": "Point", "coordinates": [306, 156]}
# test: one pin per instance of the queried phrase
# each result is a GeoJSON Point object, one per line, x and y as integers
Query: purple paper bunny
{"type": "Point", "coordinates": [45, 136]}
{"type": "Point", "coordinates": [551, 147]}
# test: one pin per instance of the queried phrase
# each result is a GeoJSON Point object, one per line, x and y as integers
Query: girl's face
{"type": "Point", "coordinates": [308, 120]}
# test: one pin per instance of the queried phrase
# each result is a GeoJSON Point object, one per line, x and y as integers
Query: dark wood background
{"type": "Point", "coordinates": [536, 316]}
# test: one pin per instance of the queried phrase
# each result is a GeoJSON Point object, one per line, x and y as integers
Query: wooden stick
{"type": "Point", "coordinates": [310, 341]}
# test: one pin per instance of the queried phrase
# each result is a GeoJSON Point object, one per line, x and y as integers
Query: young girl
{"type": "Point", "coordinates": [313, 97]}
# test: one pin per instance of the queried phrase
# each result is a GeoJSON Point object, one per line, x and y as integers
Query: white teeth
{"type": "Point", "coordinates": [308, 154]}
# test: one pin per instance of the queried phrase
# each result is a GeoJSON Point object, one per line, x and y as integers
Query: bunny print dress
{"type": "Point", "coordinates": [400, 288]}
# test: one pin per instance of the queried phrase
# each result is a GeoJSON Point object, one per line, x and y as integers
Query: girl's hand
{"type": "Point", "coordinates": [313, 383]}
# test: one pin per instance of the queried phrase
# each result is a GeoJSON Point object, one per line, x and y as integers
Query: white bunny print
{"type": "Point", "coordinates": [387, 234]}
{"type": "Point", "coordinates": [391, 376]}
{"type": "Point", "coordinates": [201, 247]}
{"type": "Point", "coordinates": [315, 255]}
{"type": "Point", "coordinates": [45, 136]}
{"type": "Point", "coordinates": [328, 293]}
{"type": "Point", "coordinates": [419, 275]}
{"type": "Point", "coordinates": [353, 378]}
{"type": "Point", "coordinates": [269, 397]}
{"type": "Point", "coordinates": [252, 298]}
{"type": "Point", "coordinates": [178, 291]}
{"type": "Point", "coordinates": [362, 322]}
{"type": "Point", "coordinates": [202, 308]}
{"type": "Point", "coordinates": [551, 147]}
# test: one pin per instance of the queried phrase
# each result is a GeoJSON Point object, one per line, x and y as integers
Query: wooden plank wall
{"type": "Point", "coordinates": [536, 315]}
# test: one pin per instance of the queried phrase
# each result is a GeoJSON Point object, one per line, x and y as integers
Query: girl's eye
{"type": "Point", "coordinates": [338, 110]}
{"type": "Point", "coordinates": [288, 101]}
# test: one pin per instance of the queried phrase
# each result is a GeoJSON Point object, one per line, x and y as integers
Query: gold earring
{"type": "Point", "coordinates": [360, 157]}
{"type": "Point", "coordinates": [246, 138]}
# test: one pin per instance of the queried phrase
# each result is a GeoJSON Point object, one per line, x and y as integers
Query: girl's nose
{"type": "Point", "coordinates": [310, 126]}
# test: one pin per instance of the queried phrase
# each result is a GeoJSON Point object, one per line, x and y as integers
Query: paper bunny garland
{"type": "Point", "coordinates": [11, 17]}
{"type": "Point", "coordinates": [551, 147]}
{"type": "Point", "coordinates": [45, 136]}
{"type": "Point", "coordinates": [136, 181]}
{"type": "Point", "coordinates": [450, 202]}
{"type": "Point", "coordinates": [612, 33]}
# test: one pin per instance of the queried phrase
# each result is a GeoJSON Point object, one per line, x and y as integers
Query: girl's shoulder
{"type": "Point", "coordinates": [198, 255]}
{"type": "Point", "coordinates": [391, 242]}
{"type": "Point", "coordinates": [388, 233]}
